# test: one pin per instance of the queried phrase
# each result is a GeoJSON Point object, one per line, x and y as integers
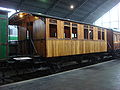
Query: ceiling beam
{"type": "Point", "coordinates": [20, 4]}
{"type": "Point", "coordinates": [93, 10]}
{"type": "Point", "coordinates": [77, 7]}
{"type": "Point", "coordinates": [25, 4]}
{"type": "Point", "coordinates": [52, 6]}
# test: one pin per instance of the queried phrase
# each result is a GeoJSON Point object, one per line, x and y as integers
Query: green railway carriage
{"type": "Point", "coordinates": [3, 35]}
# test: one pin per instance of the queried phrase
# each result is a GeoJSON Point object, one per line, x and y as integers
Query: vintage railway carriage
{"type": "Point", "coordinates": [113, 41]}
{"type": "Point", "coordinates": [53, 37]}
{"type": "Point", "coordinates": [116, 40]}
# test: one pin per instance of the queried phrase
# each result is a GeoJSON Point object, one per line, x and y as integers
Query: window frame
{"type": "Point", "coordinates": [99, 30]}
{"type": "Point", "coordinates": [67, 25]}
{"type": "Point", "coordinates": [53, 22]}
{"type": "Point", "coordinates": [74, 26]}
{"type": "Point", "coordinates": [92, 30]}
{"type": "Point", "coordinates": [89, 30]}
{"type": "Point", "coordinates": [103, 31]}
{"type": "Point", "coordinates": [86, 27]}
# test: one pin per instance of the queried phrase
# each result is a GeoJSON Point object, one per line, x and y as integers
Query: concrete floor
{"type": "Point", "coordinates": [105, 76]}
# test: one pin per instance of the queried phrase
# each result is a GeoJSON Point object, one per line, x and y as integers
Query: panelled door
{"type": "Point", "coordinates": [3, 36]}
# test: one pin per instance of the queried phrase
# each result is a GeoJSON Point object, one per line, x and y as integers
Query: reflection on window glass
{"type": "Point", "coordinates": [91, 34]}
{"type": "Point", "coordinates": [74, 32]}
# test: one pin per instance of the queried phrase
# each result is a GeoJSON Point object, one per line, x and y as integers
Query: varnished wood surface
{"type": "Point", "coordinates": [40, 46]}
{"type": "Point", "coordinates": [57, 47]}
{"type": "Point", "coordinates": [22, 33]}
{"type": "Point", "coordinates": [116, 46]}
{"type": "Point", "coordinates": [61, 46]}
{"type": "Point", "coordinates": [116, 40]}
{"type": "Point", "coordinates": [38, 29]}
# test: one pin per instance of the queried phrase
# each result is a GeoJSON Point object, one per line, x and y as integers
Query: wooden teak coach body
{"type": "Point", "coordinates": [116, 40]}
{"type": "Point", "coordinates": [53, 37]}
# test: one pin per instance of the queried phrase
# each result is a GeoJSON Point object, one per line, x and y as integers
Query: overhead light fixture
{"type": "Point", "coordinates": [36, 17]}
{"type": "Point", "coordinates": [21, 15]}
{"type": "Point", "coordinates": [71, 6]}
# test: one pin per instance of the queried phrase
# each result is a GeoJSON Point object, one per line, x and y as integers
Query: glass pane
{"type": "Point", "coordinates": [53, 30]}
{"type": "Point", "coordinates": [91, 34]}
{"type": "Point", "coordinates": [74, 32]}
{"type": "Point", "coordinates": [13, 32]}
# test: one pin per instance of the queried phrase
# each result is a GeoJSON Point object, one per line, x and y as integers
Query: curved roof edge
{"type": "Point", "coordinates": [48, 16]}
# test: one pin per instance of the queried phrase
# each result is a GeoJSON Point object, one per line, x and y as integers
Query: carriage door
{"type": "Point", "coordinates": [3, 36]}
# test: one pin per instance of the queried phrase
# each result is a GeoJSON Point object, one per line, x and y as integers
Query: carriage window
{"type": "Point", "coordinates": [53, 30]}
{"type": "Point", "coordinates": [67, 29]}
{"type": "Point", "coordinates": [91, 34]}
{"type": "Point", "coordinates": [119, 37]}
{"type": "Point", "coordinates": [115, 37]}
{"type": "Point", "coordinates": [85, 33]}
{"type": "Point", "coordinates": [99, 35]}
{"type": "Point", "coordinates": [67, 32]}
{"type": "Point", "coordinates": [103, 36]}
{"type": "Point", "coordinates": [74, 32]}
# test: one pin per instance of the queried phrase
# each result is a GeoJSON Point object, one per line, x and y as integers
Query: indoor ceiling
{"type": "Point", "coordinates": [84, 10]}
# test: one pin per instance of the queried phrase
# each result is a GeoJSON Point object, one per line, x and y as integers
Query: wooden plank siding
{"type": "Point", "coordinates": [116, 40]}
{"type": "Point", "coordinates": [40, 47]}
{"type": "Point", "coordinates": [61, 46]}
{"type": "Point", "coordinates": [47, 45]}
